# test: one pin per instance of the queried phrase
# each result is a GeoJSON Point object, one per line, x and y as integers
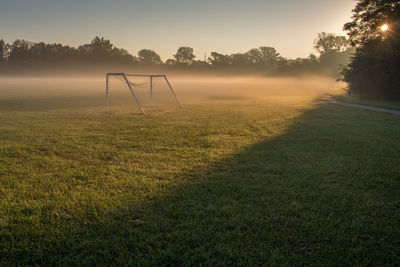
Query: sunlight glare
{"type": "Point", "coordinates": [384, 27]}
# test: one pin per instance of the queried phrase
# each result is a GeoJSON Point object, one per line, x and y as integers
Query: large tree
{"type": "Point", "coordinates": [334, 52]}
{"type": "Point", "coordinates": [184, 56]}
{"type": "Point", "coordinates": [255, 56]}
{"type": "Point", "coordinates": [369, 16]}
{"type": "Point", "coordinates": [375, 70]}
{"type": "Point", "coordinates": [149, 57]}
{"type": "Point", "coordinates": [98, 48]}
{"type": "Point", "coordinates": [263, 56]}
{"type": "Point", "coordinates": [269, 54]}
{"type": "Point", "coordinates": [329, 42]}
{"type": "Point", "coordinates": [101, 50]}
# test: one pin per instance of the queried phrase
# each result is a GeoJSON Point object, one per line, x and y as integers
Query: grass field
{"type": "Point", "coordinates": [249, 172]}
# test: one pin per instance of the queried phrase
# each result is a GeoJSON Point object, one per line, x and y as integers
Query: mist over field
{"type": "Point", "coordinates": [29, 93]}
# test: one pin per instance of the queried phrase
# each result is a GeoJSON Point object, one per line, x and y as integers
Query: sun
{"type": "Point", "coordinates": [384, 27]}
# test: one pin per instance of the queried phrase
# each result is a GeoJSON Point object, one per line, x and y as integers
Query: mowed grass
{"type": "Point", "coordinates": [274, 179]}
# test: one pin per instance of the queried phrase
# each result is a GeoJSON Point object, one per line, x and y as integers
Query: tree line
{"type": "Point", "coordinates": [374, 72]}
{"type": "Point", "coordinates": [332, 53]}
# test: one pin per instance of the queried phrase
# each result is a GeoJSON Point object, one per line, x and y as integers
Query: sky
{"type": "Point", "coordinates": [224, 26]}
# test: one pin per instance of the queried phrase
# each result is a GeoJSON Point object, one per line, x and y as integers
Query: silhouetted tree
{"type": "Point", "coordinates": [101, 51]}
{"type": "Point", "coordinates": [19, 52]}
{"type": "Point", "coordinates": [2, 50]}
{"type": "Point", "coordinates": [335, 52]}
{"type": "Point", "coordinates": [254, 56]}
{"type": "Point", "coordinates": [368, 16]}
{"type": "Point", "coordinates": [266, 59]}
{"type": "Point", "coordinates": [184, 56]}
{"type": "Point", "coordinates": [149, 57]}
{"type": "Point", "coordinates": [329, 42]}
{"type": "Point", "coordinates": [269, 54]}
{"type": "Point", "coordinates": [219, 60]}
{"type": "Point", "coordinates": [374, 71]}
{"type": "Point", "coordinates": [101, 44]}
{"type": "Point", "coordinates": [271, 59]}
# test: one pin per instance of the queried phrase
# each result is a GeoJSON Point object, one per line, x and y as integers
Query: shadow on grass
{"type": "Point", "coordinates": [324, 192]}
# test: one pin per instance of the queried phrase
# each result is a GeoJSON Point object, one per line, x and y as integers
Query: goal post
{"type": "Point", "coordinates": [131, 86]}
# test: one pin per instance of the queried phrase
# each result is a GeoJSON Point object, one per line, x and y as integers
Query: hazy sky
{"type": "Point", "coordinates": [225, 26]}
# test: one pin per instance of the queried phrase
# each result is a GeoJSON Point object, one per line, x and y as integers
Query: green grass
{"type": "Point", "coordinates": [395, 105]}
{"type": "Point", "coordinates": [236, 182]}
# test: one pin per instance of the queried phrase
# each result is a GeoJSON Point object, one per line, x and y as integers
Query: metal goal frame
{"type": "Point", "coordinates": [131, 87]}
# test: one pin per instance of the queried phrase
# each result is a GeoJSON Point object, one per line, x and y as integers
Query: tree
{"type": "Point", "coordinates": [240, 60]}
{"type": "Point", "coordinates": [184, 56]}
{"type": "Point", "coordinates": [19, 52]}
{"type": "Point", "coordinates": [368, 16]}
{"type": "Point", "coordinates": [271, 59]}
{"type": "Point", "coordinates": [335, 53]}
{"type": "Point", "coordinates": [374, 71]}
{"type": "Point", "coordinates": [329, 42]}
{"type": "Point", "coordinates": [264, 58]}
{"type": "Point", "coordinates": [101, 44]}
{"type": "Point", "coordinates": [149, 57]}
{"type": "Point", "coordinates": [101, 50]}
{"type": "Point", "coordinates": [2, 51]}
{"type": "Point", "coordinates": [97, 48]}
{"type": "Point", "coordinates": [269, 54]}
{"type": "Point", "coordinates": [255, 56]}
{"type": "Point", "coordinates": [219, 60]}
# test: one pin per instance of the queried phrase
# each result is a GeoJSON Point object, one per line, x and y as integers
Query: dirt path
{"type": "Point", "coordinates": [331, 100]}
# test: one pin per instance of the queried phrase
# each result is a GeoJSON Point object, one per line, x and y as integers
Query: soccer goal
{"type": "Point", "coordinates": [124, 78]}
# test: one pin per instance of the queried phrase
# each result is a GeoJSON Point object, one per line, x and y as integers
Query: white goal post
{"type": "Point", "coordinates": [131, 85]}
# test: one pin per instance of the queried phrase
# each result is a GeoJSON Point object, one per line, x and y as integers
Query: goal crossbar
{"type": "Point", "coordinates": [131, 86]}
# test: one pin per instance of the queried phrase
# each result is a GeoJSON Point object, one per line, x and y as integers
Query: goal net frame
{"type": "Point", "coordinates": [131, 87]}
